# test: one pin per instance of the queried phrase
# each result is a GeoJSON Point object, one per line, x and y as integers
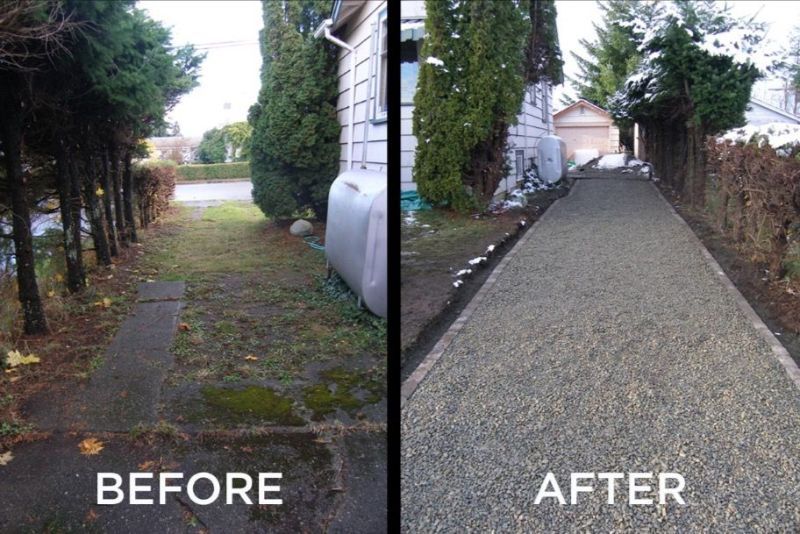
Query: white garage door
{"type": "Point", "coordinates": [584, 137]}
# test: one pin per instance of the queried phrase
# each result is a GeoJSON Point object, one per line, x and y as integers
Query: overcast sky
{"type": "Point", "coordinates": [575, 22]}
{"type": "Point", "coordinates": [230, 73]}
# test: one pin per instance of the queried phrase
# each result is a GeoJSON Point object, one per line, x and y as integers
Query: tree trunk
{"type": "Point", "coordinates": [722, 210]}
{"type": "Point", "coordinates": [116, 180]}
{"type": "Point", "coordinates": [94, 211]}
{"type": "Point", "coordinates": [76, 275]}
{"type": "Point", "coordinates": [738, 218]}
{"type": "Point", "coordinates": [127, 193]}
{"type": "Point", "coordinates": [28, 290]}
{"type": "Point", "coordinates": [777, 251]}
{"type": "Point", "coordinates": [105, 183]}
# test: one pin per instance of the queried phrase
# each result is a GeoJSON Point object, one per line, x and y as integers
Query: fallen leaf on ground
{"type": "Point", "coordinates": [91, 516]}
{"type": "Point", "coordinates": [99, 192]}
{"type": "Point", "coordinates": [184, 327]}
{"type": "Point", "coordinates": [51, 293]}
{"type": "Point", "coordinates": [105, 303]}
{"type": "Point", "coordinates": [14, 378]}
{"type": "Point", "coordinates": [251, 358]}
{"type": "Point", "coordinates": [90, 446]}
{"type": "Point", "coordinates": [15, 358]}
{"type": "Point", "coordinates": [147, 466]}
{"type": "Point", "coordinates": [59, 277]}
{"type": "Point", "coordinates": [6, 457]}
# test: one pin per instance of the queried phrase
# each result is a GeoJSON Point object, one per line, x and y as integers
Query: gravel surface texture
{"type": "Point", "coordinates": [606, 345]}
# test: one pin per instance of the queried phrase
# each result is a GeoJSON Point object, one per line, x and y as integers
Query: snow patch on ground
{"type": "Point", "coordinates": [585, 155]}
{"type": "Point", "coordinates": [477, 261]}
{"type": "Point", "coordinates": [463, 272]}
{"type": "Point", "coordinates": [777, 134]}
{"type": "Point", "coordinates": [611, 161]}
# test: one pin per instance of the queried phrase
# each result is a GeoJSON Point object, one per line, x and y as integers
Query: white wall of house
{"type": "Point", "coordinates": [362, 32]}
{"type": "Point", "coordinates": [534, 119]}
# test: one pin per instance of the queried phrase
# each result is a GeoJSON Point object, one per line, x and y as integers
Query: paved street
{"type": "Point", "coordinates": [607, 344]}
{"type": "Point", "coordinates": [210, 193]}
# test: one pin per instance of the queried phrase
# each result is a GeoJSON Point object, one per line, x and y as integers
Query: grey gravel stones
{"type": "Point", "coordinates": [606, 345]}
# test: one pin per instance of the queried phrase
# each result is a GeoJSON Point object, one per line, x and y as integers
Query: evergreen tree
{"type": "Point", "coordinates": [694, 80]}
{"type": "Point", "coordinates": [477, 58]}
{"type": "Point", "coordinates": [212, 147]}
{"type": "Point", "coordinates": [612, 56]}
{"type": "Point", "coordinates": [294, 155]}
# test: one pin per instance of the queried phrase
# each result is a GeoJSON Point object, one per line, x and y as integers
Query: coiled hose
{"type": "Point", "coordinates": [313, 242]}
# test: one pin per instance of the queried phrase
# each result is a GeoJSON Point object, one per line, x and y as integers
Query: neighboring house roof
{"type": "Point", "coordinates": [582, 102]}
{"type": "Point", "coordinates": [165, 143]}
{"type": "Point", "coordinates": [769, 107]}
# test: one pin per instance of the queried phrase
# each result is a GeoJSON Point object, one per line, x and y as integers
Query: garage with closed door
{"type": "Point", "coordinates": [583, 125]}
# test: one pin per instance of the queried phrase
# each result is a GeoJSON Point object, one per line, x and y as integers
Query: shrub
{"type": "Point", "coordinates": [216, 171]}
{"type": "Point", "coordinates": [155, 185]}
{"type": "Point", "coordinates": [295, 144]}
{"type": "Point", "coordinates": [758, 191]}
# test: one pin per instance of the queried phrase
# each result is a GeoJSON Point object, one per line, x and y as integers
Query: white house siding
{"type": "Point", "coordinates": [358, 33]}
{"type": "Point", "coordinates": [533, 123]}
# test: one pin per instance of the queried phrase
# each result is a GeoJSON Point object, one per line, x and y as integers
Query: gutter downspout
{"type": "Point", "coordinates": [326, 27]}
{"type": "Point", "coordinates": [365, 139]}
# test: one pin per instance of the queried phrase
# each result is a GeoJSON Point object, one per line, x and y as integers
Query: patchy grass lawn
{"type": "Point", "coordinates": [261, 330]}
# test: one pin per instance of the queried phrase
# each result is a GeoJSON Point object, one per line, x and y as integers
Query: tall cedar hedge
{"type": "Point", "coordinates": [476, 59]}
{"type": "Point", "coordinates": [295, 144]}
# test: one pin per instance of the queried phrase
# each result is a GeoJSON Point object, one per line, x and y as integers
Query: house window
{"type": "Point", "coordinates": [582, 110]}
{"type": "Point", "coordinates": [409, 69]}
{"type": "Point", "coordinates": [383, 71]}
{"type": "Point", "coordinates": [532, 91]}
{"type": "Point", "coordinates": [520, 164]}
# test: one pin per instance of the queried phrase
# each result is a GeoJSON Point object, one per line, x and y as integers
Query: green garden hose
{"type": "Point", "coordinates": [313, 242]}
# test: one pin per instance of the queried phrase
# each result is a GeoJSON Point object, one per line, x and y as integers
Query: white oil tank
{"type": "Point", "coordinates": [355, 234]}
{"type": "Point", "coordinates": [552, 159]}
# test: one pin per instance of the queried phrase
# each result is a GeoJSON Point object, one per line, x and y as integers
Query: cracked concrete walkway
{"type": "Point", "coordinates": [607, 344]}
{"type": "Point", "coordinates": [125, 390]}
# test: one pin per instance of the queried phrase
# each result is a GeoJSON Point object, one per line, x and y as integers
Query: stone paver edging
{"type": "Point", "coordinates": [419, 374]}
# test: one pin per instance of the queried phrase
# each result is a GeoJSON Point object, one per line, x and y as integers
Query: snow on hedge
{"type": "Point", "coordinates": [776, 134]}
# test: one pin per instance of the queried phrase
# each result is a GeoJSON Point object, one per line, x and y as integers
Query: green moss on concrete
{"type": "Point", "coordinates": [338, 390]}
{"type": "Point", "coordinates": [251, 404]}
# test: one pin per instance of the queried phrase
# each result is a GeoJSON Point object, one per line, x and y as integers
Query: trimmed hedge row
{"type": "Point", "coordinates": [214, 171]}
{"type": "Point", "coordinates": [155, 185]}
{"type": "Point", "coordinates": [758, 198]}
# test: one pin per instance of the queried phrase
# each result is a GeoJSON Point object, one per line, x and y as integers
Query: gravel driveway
{"type": "Point", "coordinates": [606, 345]}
